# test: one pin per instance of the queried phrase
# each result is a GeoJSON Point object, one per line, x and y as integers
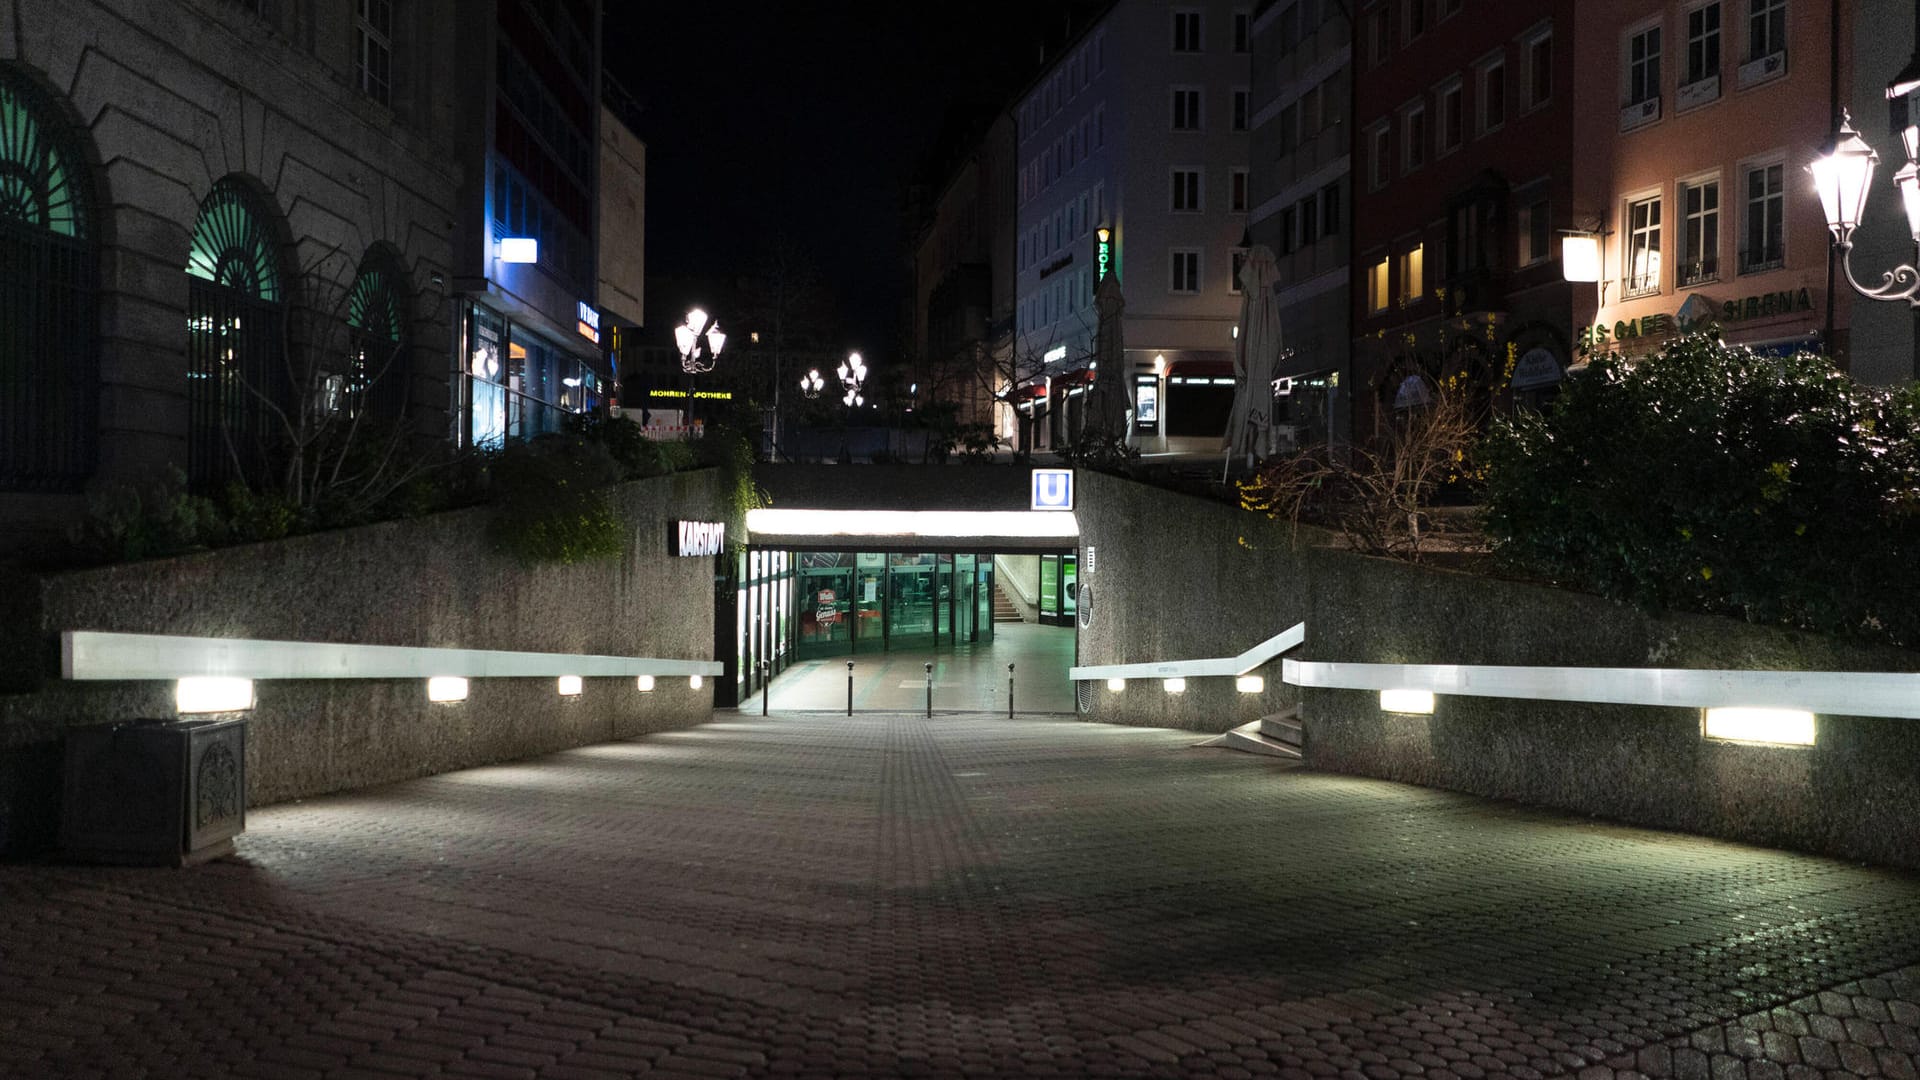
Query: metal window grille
{"type": "Point", "coordinates": [238, 386]}
{"type": "Point", "coordinates": [378, 364]}
{"type": "Point", "coordinates": [49, 361]}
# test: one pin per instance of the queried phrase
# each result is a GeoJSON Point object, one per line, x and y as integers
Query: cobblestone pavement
{"type": "Point", "coordinates": [890, 896]}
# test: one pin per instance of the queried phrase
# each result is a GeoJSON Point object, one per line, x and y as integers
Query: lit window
{"type": "Point", "coordinates": [1643, 247]}
{"type": "Point", "coordinates": [1413, 273]}
{"type": "Point", "coordinates": [1378, 286]}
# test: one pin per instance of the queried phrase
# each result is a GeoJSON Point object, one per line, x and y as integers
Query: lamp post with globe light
{"type": "Point", "coordinates": [1843, 179]}
{"type": "Point", "coordinates": [700, 340]}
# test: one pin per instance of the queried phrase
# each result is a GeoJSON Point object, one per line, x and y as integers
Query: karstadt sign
{"type": "Point", "coordinates": [690, 538]}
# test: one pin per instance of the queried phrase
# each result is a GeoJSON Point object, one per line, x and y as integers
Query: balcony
{"type": "Point", "coordinates": [1760, 69]}
{"type": "Point", "coordinates": [1698, 272]}
{"type": "Point", "coordinates": [1639, 114]}
{"type": "Point", "coordinates": [1636, 285]}
{"type": "Point", "coordinates": [1701, 91]}
{"type": "Point", "coordinates": [1760, 260]}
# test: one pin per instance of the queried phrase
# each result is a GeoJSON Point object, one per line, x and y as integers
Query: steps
{"type": "Point", "coordinates": [1278, 735]}
{"type": "Point", "coordinates": [1003, 608]}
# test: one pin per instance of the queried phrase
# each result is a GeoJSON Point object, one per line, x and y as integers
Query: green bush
{"type": "Point", "coordinates": [554, 494]}
{"type": "Point", "coordinates": [1706, 477]}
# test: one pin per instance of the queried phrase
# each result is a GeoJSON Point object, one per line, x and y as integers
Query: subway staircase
{"type": "Point", "coordinates": [1276, 735]}
{"type": "Point", "coordinates": [1003, 608]}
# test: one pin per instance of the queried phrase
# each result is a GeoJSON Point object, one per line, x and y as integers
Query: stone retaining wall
{"type": "Point", "coordinates": [1184, 578]}
{"type": "Point", "coordinates": [432, 582]}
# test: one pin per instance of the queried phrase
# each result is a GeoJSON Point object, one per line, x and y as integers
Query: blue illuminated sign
{"type": "Point", "coordinates": [1053, 489]}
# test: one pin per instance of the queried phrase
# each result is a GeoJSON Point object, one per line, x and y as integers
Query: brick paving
{"type": "Point", "coordinates": [889, 896]}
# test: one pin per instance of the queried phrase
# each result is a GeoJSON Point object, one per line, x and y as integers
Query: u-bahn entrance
{"type": "Point", "coordinates": [795, 606]}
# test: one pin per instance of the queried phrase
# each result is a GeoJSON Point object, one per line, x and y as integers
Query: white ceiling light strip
{"type": "Point", "coordinates": [914, 524]}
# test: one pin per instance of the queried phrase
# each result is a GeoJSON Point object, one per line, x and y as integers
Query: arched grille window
{"type": "Point", "coordinates": [238, 384]}
{"type": "Point", "coordinates": [378, 371]}
{"type": "Point", "coordinates": [49, 363]}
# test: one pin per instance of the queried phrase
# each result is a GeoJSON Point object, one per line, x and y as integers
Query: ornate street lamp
{"type": "Point", "coordinates": [700, 341]}
{"type": "Point", "coordinates": [1843, 179]}
{"type": "Point", "coordinates": [811, 384]}
{"type": "Point", "coordinates": [852, 374]}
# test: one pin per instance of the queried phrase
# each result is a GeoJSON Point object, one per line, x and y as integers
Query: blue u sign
{"type": "Point", "coordinates": [1053, 489]}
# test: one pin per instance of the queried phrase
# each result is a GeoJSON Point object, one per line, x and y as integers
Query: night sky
{"type": "Point", "coordinates": [808, 119]}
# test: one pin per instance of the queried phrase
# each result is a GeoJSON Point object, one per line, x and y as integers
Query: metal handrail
{"type": "Point", "coordinates": [1290, 638]}
{"type": "Point", "coordinates": [94, 655]}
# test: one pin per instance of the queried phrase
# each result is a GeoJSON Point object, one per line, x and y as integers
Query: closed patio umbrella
{"type": "Point", "coordinates": [1256, 356]}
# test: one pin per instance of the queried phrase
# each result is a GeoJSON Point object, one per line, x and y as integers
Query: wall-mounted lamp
{"type": "Point", "coordinates": [1407, 701]}
{"type": "Point", "coordinates": [446, 688]}
{"type": "Point", "coordinates": [1580, 257]}
{"type": "Point", "coordinates": [1174, 686]}
{"type": "Point", "coordinates": [645, 683]}
{"type": "Point", "coordinates": [1116, 685]}
{"type": "Point", "coordinates": [570, 686]}
{"type": "Point", "coordinates": [696, 682]}
{"type": "Point", "coordinates": [212, 693]}
{"type": "Point", "coordinates": [519, 249]}
{"type": "Point", "coordinates": [1778, 727]}
{"type": "Point", "coordinates": [1250, 684]}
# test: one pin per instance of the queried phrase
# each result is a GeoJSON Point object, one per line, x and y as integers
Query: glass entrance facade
{"type": "Point", "coordinates": [869, 601]}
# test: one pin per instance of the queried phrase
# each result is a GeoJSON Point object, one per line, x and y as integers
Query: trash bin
{"type": "Point", "coordinates": [154, 792]}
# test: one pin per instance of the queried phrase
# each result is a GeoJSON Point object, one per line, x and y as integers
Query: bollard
{"type": "Point", "coordinates": [929, 691]}
{"type": "Point", "coordinates": [849, 688]}
{"type": "Point", "coordinates": [766, 691]}
{"type": "Point", "coordinates": [1009, 691]}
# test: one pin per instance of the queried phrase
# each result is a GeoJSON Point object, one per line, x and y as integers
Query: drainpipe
{"type": "Point", "coordinates": [1833, 136]}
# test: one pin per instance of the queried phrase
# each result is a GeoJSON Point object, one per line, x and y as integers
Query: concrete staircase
{"type": "Point", "coordinates": [1278, 735]}
{"type": "Point", "coordinates": [1003, 607]}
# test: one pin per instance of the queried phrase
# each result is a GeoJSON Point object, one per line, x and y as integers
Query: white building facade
{"type": "Point", "coordinates": [1139, 127]}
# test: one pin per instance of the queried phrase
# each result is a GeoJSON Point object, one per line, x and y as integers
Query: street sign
{"type": "Point", "coordinates": [1053, 489]}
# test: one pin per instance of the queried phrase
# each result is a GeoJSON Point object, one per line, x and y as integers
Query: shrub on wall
{"type": "Point", "coordinates": [554, 494]}
{"type": "Point", "coordinates": [1711, 478]}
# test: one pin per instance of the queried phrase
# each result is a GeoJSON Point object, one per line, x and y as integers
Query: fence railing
{"type": "Point", "coordinates": [96, 655]}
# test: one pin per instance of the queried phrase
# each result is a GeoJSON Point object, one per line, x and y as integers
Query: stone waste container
{"type": "Point", "coordinates": [154, 792]}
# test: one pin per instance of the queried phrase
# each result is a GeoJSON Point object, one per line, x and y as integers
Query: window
{"type": "Point", "coordinates": [1237, 191]}
{"type": "Point", "coordinates": [1186, 271]}
{"type": "Point", "coordinates": [1493, 95]}
{"type": "Point", "coordinates": [1766, 219]}
{"type": "Point", "coordinates": [1537, 53]}
{"type": "Point", "coordinates": [1378, 286]}
{"type": "Point", "coordinates": [1186, 31]}
{"type": "Point", "coordinates": [1242, 31]}
{"type": "Point", "coordinates": [1380, 35]}
{"type": "Point", "coordinates": [1449, 8]}
{"type": "Point", "coordinates": [1287, 138]}
{"type": "Point", "coordinates": [1099, 126]}
{"type": "Point", "coordinates": [1416, 18]}
{"type": "Point", "coordinates": [1413, 128]}
{"type": "Point", "coordinates": [1309, 220]}
{"type": "Point", "coordinates": [49, 356]}
{"type": "Point", "coordinates": [1186, 190]}
{"type": "Point", "coordinates": [1239, 110]}
{"type": "Point", "coordinates": [377, 375]}
{"type": "Point", "coordinates": [1413, 273]}
{"type": "Point", "coordinates": [1186, 109]}
{"type": "Point", "coordinates": [1239, 259]}
{"type": "Point", "coordinates": [237, 378]}
{"type": "Point", "coordinates": [1643, 247]}
{"type": "Point", "coordinates": [1465, 252]}
{"type": "Point", "coordinates": [1289, 228]}
{"type": "Point", "coordinates": [1703, 43]}
{"type": "Point", "coordinates": [1310, 113]}
{"type": "Point", "coordinates": [1381, 153]}
{"type": "Point", "coordinates": [1766, 28]}
{"type": "Point", "coordinates": [1289, 28]}
{"type": "Point", "coordinates": [373, 49]}
{"type": "Point", "coordinates": [1330, 209]}
{"type": "Point", "coordinates": [1643, 66]}
{"type": "Point", "coordinates": [1452, 117]}
{"type": "Point", "coordinates": [1699, 233]}
{"type": "Point", "coordinates": [1535, 233]}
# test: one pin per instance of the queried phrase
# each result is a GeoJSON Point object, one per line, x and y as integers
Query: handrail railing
{"type": "Point", "coordinates": [1290, 638]}
{"type": "Point", "coordinates": [1834, 693]}
{"type": "Point", "coordinates": [94, 655]}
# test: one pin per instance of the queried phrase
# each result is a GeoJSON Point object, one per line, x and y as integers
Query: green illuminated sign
{"type": "Point", "coordinates": [1103, 247]}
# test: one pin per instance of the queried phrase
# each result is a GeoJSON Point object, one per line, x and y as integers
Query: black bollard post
{"type": "Point", "coordinates": [1009, 691]}
{"type": "Point", "coordinates": [929, 691]}
{"type": "Point", "coordinates": [766, 691]}
{"type": "Point", "coordinates": [849, 688]}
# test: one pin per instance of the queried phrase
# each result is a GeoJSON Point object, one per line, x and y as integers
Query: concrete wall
{"type": "Point", "coordinates": [433, 582]}
{"type": "Point", "coordinates": [1181, 578]}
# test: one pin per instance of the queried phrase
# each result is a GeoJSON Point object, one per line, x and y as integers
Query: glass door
{"type": "Point", "coordinates": [983, 599]}
{"type": "Point", "coordinates": [912, 598]}
{"type": "Point", "coordinates": [869, 620]}
{"type": "Point", "coordinates": [825, 604]}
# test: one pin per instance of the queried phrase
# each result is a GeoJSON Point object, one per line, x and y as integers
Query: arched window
{"type": "Point", "coordinates": [238, 383]}
{"type": "Point", "coordinates": [378, 372]}
{"type": "Point", "coordinates": [49, 364]}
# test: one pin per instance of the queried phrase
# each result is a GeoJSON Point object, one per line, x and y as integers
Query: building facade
{"type": "Point", "coordinates": [1301, 191]}
{"type": "Point", "coordinates": [1699, 119]}
{"type": "Point", "coordinates": [1139, 127]}
{"type": "Point", "coordinates": [1463, 187]}
{"type": "Point", "coordinates": [1883, 342]}
{"type": "Point", "coordinates": [235, 225]}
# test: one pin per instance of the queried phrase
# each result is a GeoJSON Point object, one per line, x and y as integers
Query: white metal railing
{"type": "Point", "coordinates": [1289, 638]}
{"type": "Point", "coordinates": [92, 654]}
{"type": "Point", "coordinates": [1835, 693]}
